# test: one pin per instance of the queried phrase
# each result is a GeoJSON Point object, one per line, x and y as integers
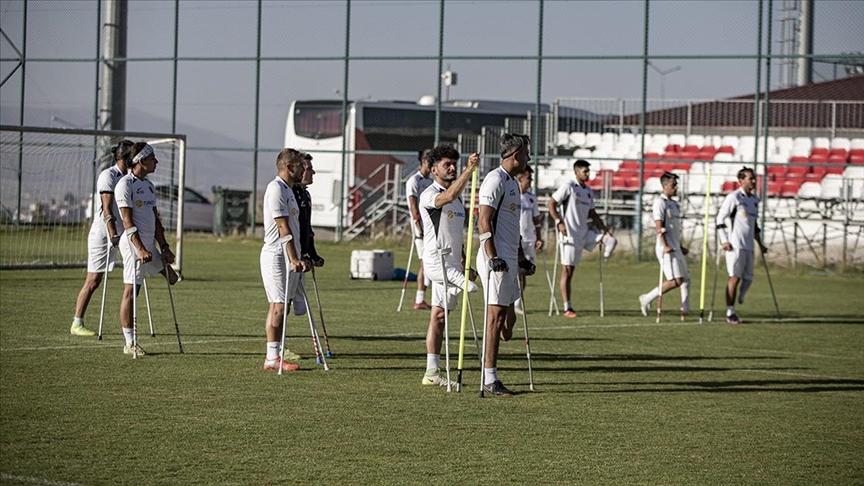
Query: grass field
{"type": "Point", "coordinates": [619, 400]}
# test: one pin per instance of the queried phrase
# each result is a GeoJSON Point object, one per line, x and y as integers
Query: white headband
{"type": "Point", "coordinates": [145, 152]}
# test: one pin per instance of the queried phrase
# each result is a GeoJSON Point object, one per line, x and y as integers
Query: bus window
{"type": "Point", "coordinates": [318, 120]}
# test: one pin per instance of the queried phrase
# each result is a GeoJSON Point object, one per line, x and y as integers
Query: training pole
{"type": "Point", "coordinates": [407, 271]}
{"type": "Point", "coordinates": [320, 314]}
{"type": "Point", "coordinates": [527, 340]}
{"type": "Point", "coordinates": [770, 283]}
{"type": "Point", "coordinates": [601, 279]}
{"type": "Point", "coordinates": [660, 285]}
{"type": "Point", "coordinates": [104, 290]}
{"type": "Point", "coordinates": [465, 301]}
{"type": "Point", "coordinates": [316, 340]}
{"type": "Point", "coordinates": [173, 309]}
{"type": "Point", "coordinates": [705, 249]}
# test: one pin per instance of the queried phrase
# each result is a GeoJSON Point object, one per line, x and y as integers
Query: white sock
{"type": "Point", "coordinates": [78, 320]}
{"type": "Point", "coordinates": [272, 350]}
{"type": "Point", "coordinates": [567, 305]}
{"type": "Point", "coordinates": [685, 297]}
{"type": "Point", "coordinates": [127, 333]}
{"type": "Point", "coordinates": [730, 309]}
{"type": "Point", "coordinates": [491, 375]}
{"type": "Point", "coordinates": [432, 361]}
{"type": "Point", "coordinates": [655, 292]}
{"type": "Point", "coordinates": [420, 297]}
{"type": "Point", "coordinates": [518, 303]}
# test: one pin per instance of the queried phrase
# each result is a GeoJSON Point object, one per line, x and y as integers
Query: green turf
{"type": "Point", "coordinates": [619, 400]}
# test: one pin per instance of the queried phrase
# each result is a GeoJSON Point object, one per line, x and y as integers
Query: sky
{"type": "Point", "coordinates": [216, 99]}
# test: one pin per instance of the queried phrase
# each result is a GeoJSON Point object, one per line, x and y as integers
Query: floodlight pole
{"type": "Point", "coordinates": [663, 73]}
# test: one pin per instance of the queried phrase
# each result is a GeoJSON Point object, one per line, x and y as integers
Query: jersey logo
{"type": "Point", "coordinates": [139, 203]}
{"type": "Point", "coordinates": [512, 207]}
{"type": "Point", "coordinates": [293, 212]}
{"type": "Point", "coordinates": [450, 214]}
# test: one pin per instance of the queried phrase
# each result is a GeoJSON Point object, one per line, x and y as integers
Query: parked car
{"type": "Point", "coordinates": [197, 214]}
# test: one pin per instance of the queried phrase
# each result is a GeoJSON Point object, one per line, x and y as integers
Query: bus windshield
{"type": "Point", "coordinates": [318, 119]}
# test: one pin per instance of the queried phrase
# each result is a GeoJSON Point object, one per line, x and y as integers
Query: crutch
{"type": "Point", "coordinates": [104, 289]}
{"type": "Point", "coordinates": [405, 280]}
{"type": "Point", "coordinates": [149, 312]}
{"type": "Point", "coordinates": [601, 278]}
{"type": "Point", "coordinates": [443, 252]}
{"type": "Point", "coordinates": [552, 302]}
{"type": "Point", "coordinates": [717, 248]}
{"type": "Point", "coordinates": [485, 330]}
{"type": "Point", "coordinates": [173, 309]}
{"type": "Point", "coordinates": [660, 285]}
{"type": "Point", "coordinates": [321, 312]}
{"type": "Point", "coordinates": [770, 283]}
{"type": "Point", "coordinates": [549, 279]}
{"type": "Point", "coordinates": [316, 341]}
{"type": "Point", "coordinates": [135, 310]}
{"type": "Point", "coordinates": [527, 340]}
{"type": "Point", "coordinates": [287, 305]}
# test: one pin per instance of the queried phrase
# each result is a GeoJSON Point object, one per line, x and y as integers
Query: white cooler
{"type": "Point", "coordinates": [372, 264]}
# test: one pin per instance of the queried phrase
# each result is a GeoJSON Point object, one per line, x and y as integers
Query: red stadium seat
{"type": "Point", "coordinates": [774, 188]}
{"type": "Point", "coordinates": [856, 159]}
{"type": "Point", "coordinates": [596, 183]}
{"type": "Point", "coordinates": [838, 152]}
{"type": "Point", "coordinates": [629, 165]}
{"type": "Point", "coordinates": [673, 147]}
{"type": "Point", "coordinates": [818, 170]}
{"type": "Point", "coordinates": [705, 156]}
{"type": "Point", "coordinates": [798, 160]}
{"type": "Point", "coordinates": [665, 167]}
{"type": "Point", "coordinates": [818, 151]}
{"type": "Point", "coordinates": [671, 156]}
{"type": "Point", "coordinates": [834, 169]}
{"type": "Point", "coordinates": [728, 186]}
{"type": "Point", "coordinates": [652, 155]}
{"type": "Point", "coordinates": [726, 149]}
{"type": "Point", "coordinates": [813, 176]}
{"type": "Point", "coordinates": [856, 152]}
{"type": "Point", "coordinates": [818, 159]}
{"type": "Point", "coordinates": [790, 187]}
{"type": "Point", "coordinates": [837, 159]}
{"type": "Point", "coordinates": [685, 166]}
{"type": "Point", "coordinates": [775, 171]}
{"type": "Point", "coordinates": [691, 148]}
{"type": "Point", "coordinates": [797, 170]}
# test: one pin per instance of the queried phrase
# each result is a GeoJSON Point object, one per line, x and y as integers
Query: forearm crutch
{"type": "Point", "coordinates": [173, 309]}
{"type": "Point", "coordinates": [407, 272]}
{"type": "Point", "coordinates": [316, 340]}
{"type": "Point", "coordinates": [321, 313]}
{"type": "Point", "coordinates": [104, 289]}
{"type": "Point", "coordinates": [527, 340]}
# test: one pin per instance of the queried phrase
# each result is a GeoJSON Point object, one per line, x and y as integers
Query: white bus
{"type": "Point", "coordinates": [385, 133]}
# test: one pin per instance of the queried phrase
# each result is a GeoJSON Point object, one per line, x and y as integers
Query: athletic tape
{"type": "Point", "coordinates": [285, 239]}
{"type": "Point", "coordinates": [131, 231]}
{"type": "Point", "coordinates": [109, 218]}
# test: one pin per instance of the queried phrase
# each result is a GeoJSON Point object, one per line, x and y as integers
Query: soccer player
{"type": "Point", "coordinates": [500, 255]}
{"type": "Point", "coordinates": [136, 199]}
{"type": "Point", "coordinates": [443, 216]}
{"type": "Point", "coordinates": [281, 238]}
{"type": "Point", "coordinates": [741, 208]}
{"type": "Point", "coordinates": [106, 228]}
{"type": "Point", "coordinates": [307, 235]}
{"type": "Point", "coordinates": [529, 226]}
{"type": "Point", "coordinates": [571, 206]}
{"type": "Point", "coordinates": [415, 186]}
{"type": "Point", "coordinates": [670, 253]}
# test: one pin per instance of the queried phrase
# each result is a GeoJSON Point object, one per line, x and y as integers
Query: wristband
{"type": "Point", "coordinates": [416, 217]}
{"type": "Point", "coordinates": [285, 239]}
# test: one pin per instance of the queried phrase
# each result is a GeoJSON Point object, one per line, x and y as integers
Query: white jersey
{"type": "Point", "coordinates": [667, 211]}
{"type": "Point", "coordinates": [501, 192]}
{"type": "Point", "coordinates": [279, 202]}
{"type": "Point", "coordinates": [443, 227]}
{"type": "Point", "coordinates": [528, 212]}
{"type": "Point", "coordinates": [416, 184]}
{"type": "Point", "coordinates": [743, 210]}
{"type": "Point", "coordinates": [106, 183]}
{"type": "Point", "coordinates": [140, 196]}
{"type": "Point", "coordinates": [574, 203]}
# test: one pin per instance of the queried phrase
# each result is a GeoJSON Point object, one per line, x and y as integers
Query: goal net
{"type": "Point", "coordinates": [47, 184]}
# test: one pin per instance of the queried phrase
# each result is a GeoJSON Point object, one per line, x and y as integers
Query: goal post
{"type": "Point", "coordinates": [47, 191]}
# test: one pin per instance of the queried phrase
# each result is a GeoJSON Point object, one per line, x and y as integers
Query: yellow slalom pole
{"type": "Point", "coordinates": [705, 247]}
{"type": "Point", "coordinates": [468, 254]}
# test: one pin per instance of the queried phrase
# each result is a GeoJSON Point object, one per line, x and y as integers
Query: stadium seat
{"type": "Point", "coordinates": [723, 157]}
{"type": "Point", "coordinates": [810, 190]}
{"type": "Point", "coordinates": [728, 186]}
{"type": "Point", "coordinates": [659, 139]}
{"type": "Point", "coordinates": [816, 174]}
{"type": "Point", "coordinates": [776, 171]}
{"type": "Point", "coordinates": [856, 151]}
{"type": "Point", "coordinates": [856, 159]}
{"type": "Point", "coordinates": [682, 166]}
{"type": "Point", "coordinates": [746, 140]}
{"type": "Point", "coordinates": [609, 138]}
{"type": "Point", "coordinates": [797, 170]}
{"type": "Point", "coordinates": [629, 166]}
{"type": "Point", "coordinates": [784, 144]}
{"type": "Point", "coordinates": [821, 142]}
{"type": "Point", "coordinates": [627, 139]}
{"type": "Point", "coordinates": [730, 140]}
{"type": "Point", "coordinates": [790, 187]}
{"type": "Point", "coordinates": [695, 183]}
{"type": "Point", "coordinates": [799, 152]}
{"type": "Point", "coordinates": [609, 164]}
{"type": "Point", "coordinates": [726, 149]}
{"type": "Point", "coordinates": [841, 143]}
{"type": "Point", "coordinates": [577, 139]}
{"type": "Point", "coordinates": [834, 169]}
{"type": "Point", "coordinates": [856, 143]}
{"type": "Point", "coordinates": [597, 182]}
{"type": "Point", "coordinates": [563, 140]}
{"type": "Point", "coordinates": [837, 159]}
{"type": "Point", "coordinates": [839, 152]}
{"type": "Point", "coordinates": [817, 151]}
{"type": "Point", "coordinates": [698, 167]}
{"type": "Point", "coordinates": [546, 178]}
{"type": "Point", "coordinates": [774, 188]}
{"type": "Point", "coordinates": [799, 159]}
{"type": "Point", "coordinates": [672, 147]}
{"type": "Point", "coordinates": [593, 139]}
{"type": "Point", "coordinates": [632, 155]}
{"type": "Point", "coordinates": [677, 139]}
{"type": "Point", "coordinates": [560, 164]}
{"type": "Point", "coordinates": [804, 143]}
{"type": "Point", "coordinates": [670, 156]}
{"type": "Point", "coordinates": [832, 187]}
{"type": "Point", "coordinates": [696, 140]}
{"type": "Point", "coordinates": [652, 155]}
{"type": "Point", "coordinates": [818, 159]}
{"type": "Point", "coordinates": [653, 185]}
{"type": "Point", "coordinates": [582, 153]}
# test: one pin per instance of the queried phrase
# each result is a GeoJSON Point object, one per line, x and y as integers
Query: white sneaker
{"type": "Point", "coordinates": [127, 349]}
{"type": "Point", "coordinates": [432, 378]}
{"type": "Point", "coordinates": [644, 304]}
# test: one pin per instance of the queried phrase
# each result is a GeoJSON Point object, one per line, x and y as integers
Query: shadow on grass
{"type": "Point", "coordinates": [735, 386]}
{"type": "Point", "coordinates": [641, 357]}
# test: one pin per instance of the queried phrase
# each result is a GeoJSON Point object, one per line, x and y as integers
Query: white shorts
{"type": "Point", "coordinates": [455, 284]}
{"type": "Point", "coordinates": [273, 275]}
{"type": "Point", "coordinates": [418, 247]}
{"type": "Point", "coordinates": [130, 258]}
{"type": "Point", "coordinates": [98, 254]}
{"type": "Point", "coordinates": [571, 249]}
{"type": "Point", "coordinates": [529, 251]}
{"type": "Point", "coordinates": [504, 288]}
{"type": "Point", "coordinates": [674, 264]}
{"type": "Point", "coordinates": [739, 263]}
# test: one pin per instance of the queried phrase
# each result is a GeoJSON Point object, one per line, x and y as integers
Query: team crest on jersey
{"type": "Point", "coordinates": [139, 203]}
{"type": "Point", "coordinates": [450, 214]}
{"type": "Point", "coordinates": [671, 216]}
{"type": "Point", "coordinates": [512, 206]}
{"type": "Point", "coordinates": [293, 212]}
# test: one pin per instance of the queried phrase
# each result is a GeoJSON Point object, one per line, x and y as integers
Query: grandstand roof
{"type": "Point", "coordinates": [811, 110]}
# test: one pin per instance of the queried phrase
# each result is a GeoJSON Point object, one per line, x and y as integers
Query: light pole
{"type": "Point", "coordinates": [663, 74]}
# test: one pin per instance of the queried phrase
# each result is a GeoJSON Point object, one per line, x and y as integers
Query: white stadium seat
{"type": "Point", "coordinates": [582, 153]}
{"type": "Point", "coordinates": [800, 151]}
{"type": "Point", "coordinates": [841, 143]}
{"type": "Point", "coordinates": [627, 139]}
{"type": "Point", "coordinates": [822, 142]}
{"type": "Point", "coordinates": [546, 178]}
{"type": "Point", "coordinates": [604, 146]}
{"type": "Point", "coordinates": [608, 164]}
{"type": "Point", "coordinates": [695, 183]}
{"type": "Point", "coordinates": [715, 140]}
{"type": "Point", "coordinates": [609, 137]}
{"type": "Point", "coordinates": [592, 139]}
{"type": "Point", "coordinates": [785, 144]}
{"type": "Point", "coordinates": [730, 140]}
{"type": "Point", "coordinates": [560, 164]}
{"type": "Point", "coordinates": [855, 176]}
{"type": "Point", "coordinates": [563, 139]}
{"type": "Point", "coordinates": [724, 157]}
{"type": "Point", "coordinates": [653, 185]}
{"type": "Point", "coordinates": [659, 139]}
{"type": "Point", "coordinates": [856, 143]}
{"type": "Point", "coordinates": [577, 139]}
{"type": "Point", "coordinates": [697, 168]}
{"type": "Point", "coordinates": [697, 140]}
{"type": "Point", "coordinates": [832, 187]}
{"type": "Point", "coordinates": [677, 139]}
{"type": "Point", "coordinates": [746, 140]}
{"type": "Point", "coordinates": [810, 190]}
{"type": "Point", "coordinates": [803, 143]}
